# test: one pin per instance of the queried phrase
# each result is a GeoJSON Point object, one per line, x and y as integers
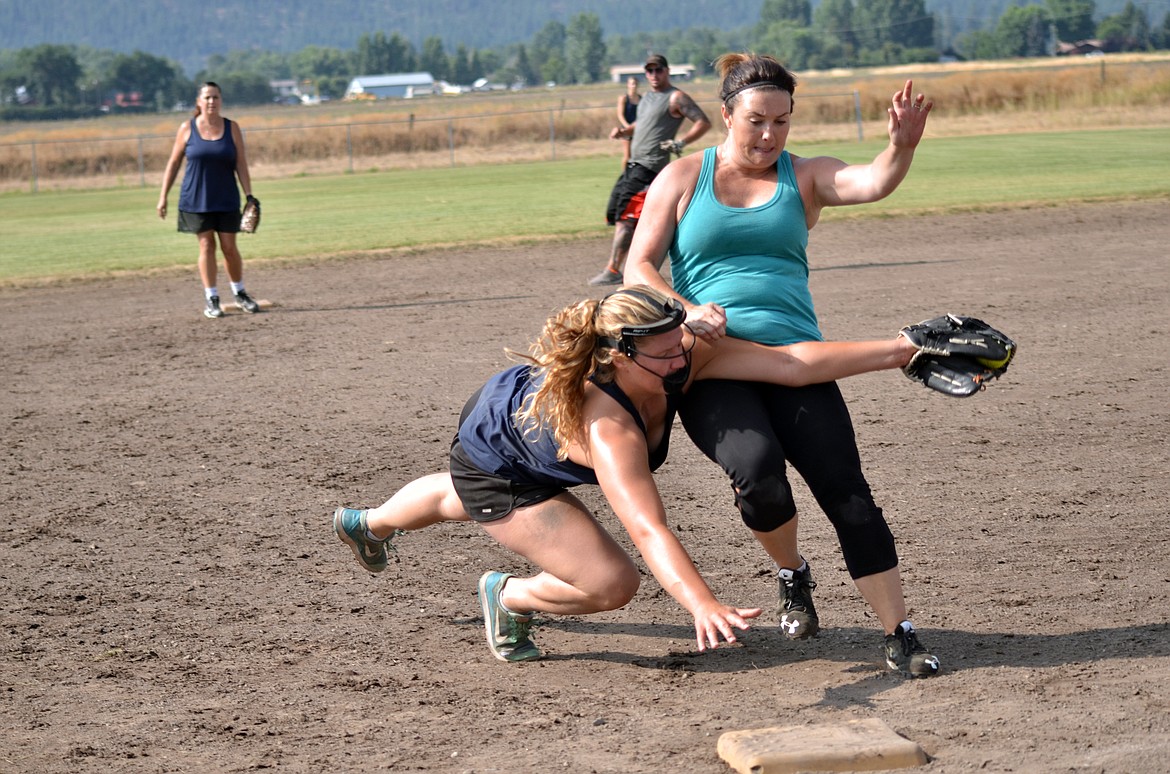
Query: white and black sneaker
{"type": "Point", "coordinates": [246, 302]}
{"type": "Point", "coordinates": [212, 309]}
{"type": "Point", "coordinates": [906, 654]}
{"type": "Point", "coordinates": [798, 615]}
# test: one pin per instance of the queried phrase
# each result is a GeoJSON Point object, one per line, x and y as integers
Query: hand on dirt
{"type": "Point", "coordinates": [717, 621]}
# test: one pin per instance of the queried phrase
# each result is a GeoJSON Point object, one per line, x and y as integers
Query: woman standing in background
{"type": "Point", "coordinates": [627, 113]}
{"type": "Point", "coordinates": [209, 201]}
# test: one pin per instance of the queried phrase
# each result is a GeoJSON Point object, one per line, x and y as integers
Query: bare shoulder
{"type": "Point", "coordinates": [684, 170]}
{"type": "Point", "coordinates": [605, 419]}
{"type": "Point", "coordinates": [675, 182]}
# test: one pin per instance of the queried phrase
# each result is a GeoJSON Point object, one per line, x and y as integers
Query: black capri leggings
{"type": "Point", "coordinates": [753, 429]}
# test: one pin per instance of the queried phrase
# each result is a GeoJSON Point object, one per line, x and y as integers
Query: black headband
{"type": "Point", "coordinates": [673, 316]}
{"type": "Point", "coordinates": [755, 85]}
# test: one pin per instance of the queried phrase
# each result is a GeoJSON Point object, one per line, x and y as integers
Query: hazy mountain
{"type": "Point", "coordinates": [188, 32]}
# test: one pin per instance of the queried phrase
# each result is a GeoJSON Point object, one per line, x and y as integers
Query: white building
{"type": "Point", "coordinates": [399, 85]}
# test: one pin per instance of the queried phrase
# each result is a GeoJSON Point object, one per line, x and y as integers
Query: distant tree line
{"type": "Point", "coordinates": [62, 81]}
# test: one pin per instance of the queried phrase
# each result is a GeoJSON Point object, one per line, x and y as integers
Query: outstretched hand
{"type": "Point", "coordinates": [718, 621]}
{"type": "Point", "coordinates": [908, 117]}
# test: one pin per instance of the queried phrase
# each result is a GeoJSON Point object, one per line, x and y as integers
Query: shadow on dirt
{"type": "Point", "coordinates": [763, 647]}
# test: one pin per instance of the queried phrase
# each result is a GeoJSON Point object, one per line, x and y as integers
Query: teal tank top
{"type": "Point", "coordinates": [752, 261]}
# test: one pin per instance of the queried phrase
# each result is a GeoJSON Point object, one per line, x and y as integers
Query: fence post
{"type": "Point", "coordinates": [34, 166]}
{"type": "Point", "coordinates": [451, 139]}
{"type": "Point", "coordinates": [349, 146]}
{"type": "Point", "coordinates": [141, 165]}
{"type": "Point", "coordinates": [857, 113]}
{"type": "Point", "coordinates": [552, 135]}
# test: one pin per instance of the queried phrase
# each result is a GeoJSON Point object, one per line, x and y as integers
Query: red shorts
{"type": "Point", "coordinates": [633, 210]}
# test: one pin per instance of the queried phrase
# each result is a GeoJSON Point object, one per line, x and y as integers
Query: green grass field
{"type": "Point", "coordinates": [76, 234]}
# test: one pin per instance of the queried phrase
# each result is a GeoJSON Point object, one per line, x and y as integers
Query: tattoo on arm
{"type": "Point", "coordinates": [690, 110]}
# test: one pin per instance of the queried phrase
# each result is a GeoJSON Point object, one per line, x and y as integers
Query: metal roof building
{"type": "Point", "coordinates": [400, 85]}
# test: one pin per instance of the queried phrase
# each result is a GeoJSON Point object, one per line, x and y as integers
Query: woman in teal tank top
{"type": "Point", "coordinates": [734, 222]}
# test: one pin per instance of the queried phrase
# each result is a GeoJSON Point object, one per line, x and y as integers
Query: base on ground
{"type": "Point", "coordinates": [857, 745]}
{"type": "Point", "coordinates": [232, 306]}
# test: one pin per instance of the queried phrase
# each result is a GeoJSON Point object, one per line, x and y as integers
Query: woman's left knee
{"type": "Point", "coordinates": [620, 586]}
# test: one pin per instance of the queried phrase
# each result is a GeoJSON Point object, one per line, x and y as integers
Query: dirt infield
{"type": "Point", "coordinates": [174, 598]}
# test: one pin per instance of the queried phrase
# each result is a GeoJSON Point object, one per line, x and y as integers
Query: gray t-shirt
{"type": "Point", "coordinates": [654, 125]}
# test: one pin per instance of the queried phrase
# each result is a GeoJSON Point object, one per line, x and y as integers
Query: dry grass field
{"type": "Point", "coordinates": [499, 128]}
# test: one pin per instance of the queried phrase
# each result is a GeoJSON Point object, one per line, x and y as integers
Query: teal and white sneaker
{"type": "Point", "coordinates": [350, 525]}
{"type": "Point", "coordinates": [507, 632]}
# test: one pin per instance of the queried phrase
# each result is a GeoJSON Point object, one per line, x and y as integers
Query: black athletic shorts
{"type": "Point", "coordinates": [198, 222]}
{"type": "Point", "coordinates": [634, 180]}
{"type": "Point", "coordinates": [486, 496]}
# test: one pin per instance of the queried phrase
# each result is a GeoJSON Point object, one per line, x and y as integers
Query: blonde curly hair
{"type": "Point", "coordinates": [571, 350]}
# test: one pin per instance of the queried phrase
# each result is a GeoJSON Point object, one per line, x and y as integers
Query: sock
{"type": "Point", "coordinates": [236, 288]}
{"type": "Point", "coordinates": [372, 537]}
{"type": "Point", "coordinates": [210, 292]}
{"type": "Point", "coordinates": [788, 574]}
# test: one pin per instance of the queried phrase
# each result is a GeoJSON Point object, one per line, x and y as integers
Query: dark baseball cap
{"type": "Point", "coordinates": [657, 60]}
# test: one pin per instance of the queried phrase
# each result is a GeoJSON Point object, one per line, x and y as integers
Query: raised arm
{"type": "Point", "coordinates": [795, 365]}
{"type": "Point", "coordinates": [617, 450]}
{"type": "Point", "coordinates": [830, 182]}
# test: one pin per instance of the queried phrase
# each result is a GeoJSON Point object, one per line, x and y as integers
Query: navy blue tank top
{"type": "Point", "coordinates": [495, 445]}
{"type": "Point", "coordinates": [209, 183]}
{"type": "Point", "coordinates": [631, 111]}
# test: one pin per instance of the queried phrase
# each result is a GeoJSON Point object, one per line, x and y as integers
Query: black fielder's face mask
{"type": "Point", "coordinates": [676, 381]}
{"type": "Point", "coordinates": [673, 382]}
{"type": "Point", "coordinates": [673, 315]}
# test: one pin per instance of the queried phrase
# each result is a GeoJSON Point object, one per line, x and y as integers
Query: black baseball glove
{"type": "Point", "coordinates": [957, 355]}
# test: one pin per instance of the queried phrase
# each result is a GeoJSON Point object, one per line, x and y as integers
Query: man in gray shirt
{"type": "Point", "coordinates": [661, 112]}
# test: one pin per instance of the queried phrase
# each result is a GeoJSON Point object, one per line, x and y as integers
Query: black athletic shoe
{"type": "Point", "coordinates": [245, 302]}
{"type": "Point", "coordinates": [212, 309]}
{"type": "Point", "coordinates": [906, 654]}
{"type": "Point", "coordinates": [798, 616]}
